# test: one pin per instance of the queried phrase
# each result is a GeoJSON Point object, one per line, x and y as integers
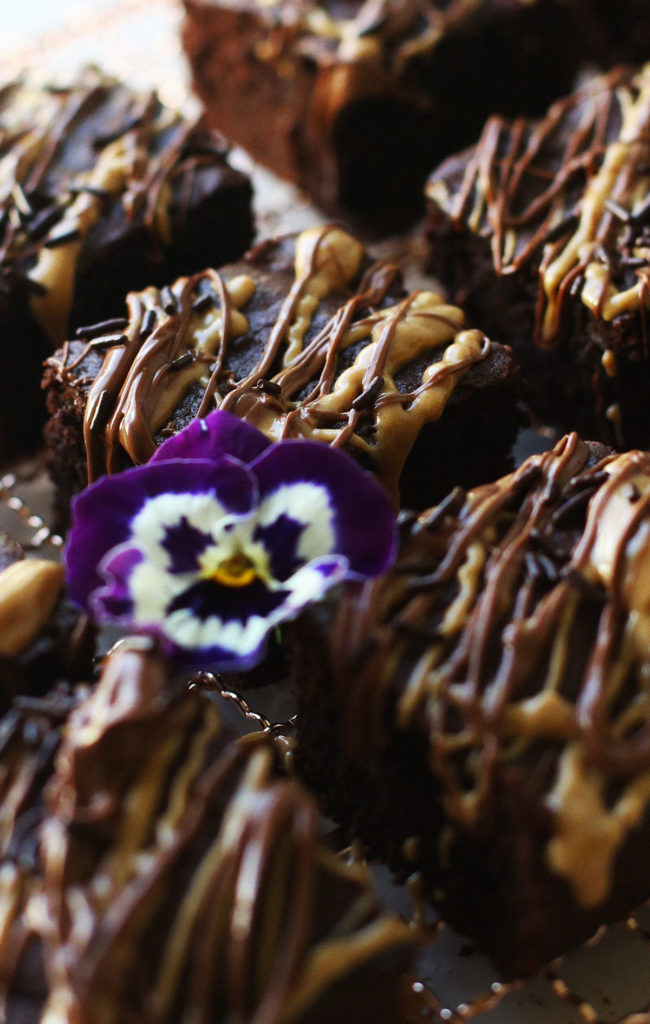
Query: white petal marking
{"type": "Point", "coordinates": [309, 505]}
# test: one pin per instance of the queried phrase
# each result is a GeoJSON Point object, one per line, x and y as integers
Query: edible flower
{"type": "Point", "coordinates": [222, 536]}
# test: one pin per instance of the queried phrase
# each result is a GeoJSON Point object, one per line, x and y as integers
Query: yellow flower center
{"type": "Point", "coordinates": [236, 571]}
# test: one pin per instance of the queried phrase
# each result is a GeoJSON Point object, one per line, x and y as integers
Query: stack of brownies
{"type": "Point", "coordinates": [476, 708]}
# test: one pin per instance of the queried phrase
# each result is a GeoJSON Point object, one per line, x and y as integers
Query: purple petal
{"type": "Point", "coordinates": [219, 434]}
{"type": "Point", "coordinates": [114, 602]}
{"type": "Point", "coordinates": [102, 514]}
{"type": "Point", "coordinates": [364, 519]}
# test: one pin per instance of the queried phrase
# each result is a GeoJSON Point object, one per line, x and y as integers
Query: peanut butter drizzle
{"type": "Point", "coordinates": [29, 737]}
{"type": "Point", "coordinates": [522, 615]}
{"type": "Point", "coordinates": [139, 387]}
{"type": "Point", "coordinates": [588, 226]}
{"type": "Point", "coordinates": [34, 126]}
{"type": "Point", "coordinates": [180, 878]}
{"type": "Point", "coordinates": [410, 29]}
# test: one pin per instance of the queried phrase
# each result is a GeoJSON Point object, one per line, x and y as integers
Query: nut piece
{"type": "Point", "coordinates": [29, 590]}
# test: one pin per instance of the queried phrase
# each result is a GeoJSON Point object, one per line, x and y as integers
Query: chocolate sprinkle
{"type": "Point", "coordinates": [44, 220]}
{"type": "Point", "coordinates": [184, 360]}
{"type": "Point", "coordinates": [564, 226]}
{"type": "Point", "coordinates": [269, 387]}
{"type": "Point", "coordinates": [367, 397]}
{"type": "Point", "coordinates": [66, 236]}
{"type": "Point", "coordinates": [204, 301]}
{"type": "Point", "coordinates": [148, 322]}
{"type": "Point", "coordinates": [618, 210]}
{"type": "Point", "coordinates": [118, 323]}
{"type": "Point", "coordinates": [168, 301]}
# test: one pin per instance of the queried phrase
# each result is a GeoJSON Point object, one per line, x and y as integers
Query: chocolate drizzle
{"type": "Point", "coordinates": [178, 879]}
{"type": "Point", "coordinates": [67, 156]}
{"type": "Point", "coordinates": [516, 620]}
{"type": "Point", "coordinates": [566, 195]}
{"type": "Point", "coordinates": [29, 737]}
{"type": "Point", "coordinates": [337, 362]}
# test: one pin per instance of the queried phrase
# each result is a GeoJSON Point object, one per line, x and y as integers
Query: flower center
{"type": "Point", "coordinates": [236, 571]}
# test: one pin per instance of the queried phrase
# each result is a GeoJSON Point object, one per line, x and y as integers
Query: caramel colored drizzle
{"type": "Point", "coordinates": [181, 879]}
{"type": "Point", "coordinates": [411, 28]}
{"type": "Point", "coordinates": [582, 214]}
{"type": "Point", "coordinates": [41, 245]}
{"type": "Point", "coordinates": [29, 737]}
{"type": "Point", "coordinates": [484, 620]}
{"type": "Point", "coordinates": [146, 375]}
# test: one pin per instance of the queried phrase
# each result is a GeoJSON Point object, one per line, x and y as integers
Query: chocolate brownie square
{"type": "Point", "coordinates": [479, 714]}
{"type": "Point", "coordinates": [101, 189]}
{"type": "Point", "coordinates": [306, 337]}
{"type": "Point", "coordinates": [542, 230]}
{"type": "Point", "coordinates": [355, 102]}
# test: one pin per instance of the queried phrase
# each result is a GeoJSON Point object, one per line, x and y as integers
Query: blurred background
{"type": "Point", "coordinates": [137, 39]}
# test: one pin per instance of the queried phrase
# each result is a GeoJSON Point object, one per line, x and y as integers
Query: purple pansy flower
{"type": "Point", "coordinates": [222, 536]}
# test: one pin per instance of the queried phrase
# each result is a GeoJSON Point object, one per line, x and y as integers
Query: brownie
{"type": "Point", "coordinates": [30, 734]}
{"type": "Point", "coordinates": [101, 189]}
{"type": "Point", "coordinates": [355, 102]}
{"type": "Point", "coordinates": [155, 869]}
{"type": "Point", "coordinates": [543, 228]}
{"type": "Point", "coordinates": [43, 638]}
{"type": "Point", "coordinates": [320, 342]}
{"type": "Point", "coordinates": [479, 714]}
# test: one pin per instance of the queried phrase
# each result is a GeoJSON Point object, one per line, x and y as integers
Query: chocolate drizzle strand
{"type": "Point", "coordinates": [153, 868]}
{"type": "Point", "coordinates": [543, 226]}
{"type": "Point", "coordinates": [511, 642]}
{"type": "Point", "coordinates": [100, 190]}
{"type": "Point", "coordinates": [367, 97]}
{"type": "Point", "coordinates": [575, 202]}
{"type": "Point", "coordinates": [305, 338]}
{"type": "Point", "coordinates": [30, 735]}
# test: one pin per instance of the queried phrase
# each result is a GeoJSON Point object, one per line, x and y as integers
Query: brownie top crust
{"type": "Point", "coordinates": [162, 871]}
{"type": "Point", "coordinates": [306, 337]}
{"type": "Point", "coordinates": [79, 166]}
{"type": "Point", "coordinates": [566, 196]}
{"type": "Point", "coordinates": [513, 629]}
